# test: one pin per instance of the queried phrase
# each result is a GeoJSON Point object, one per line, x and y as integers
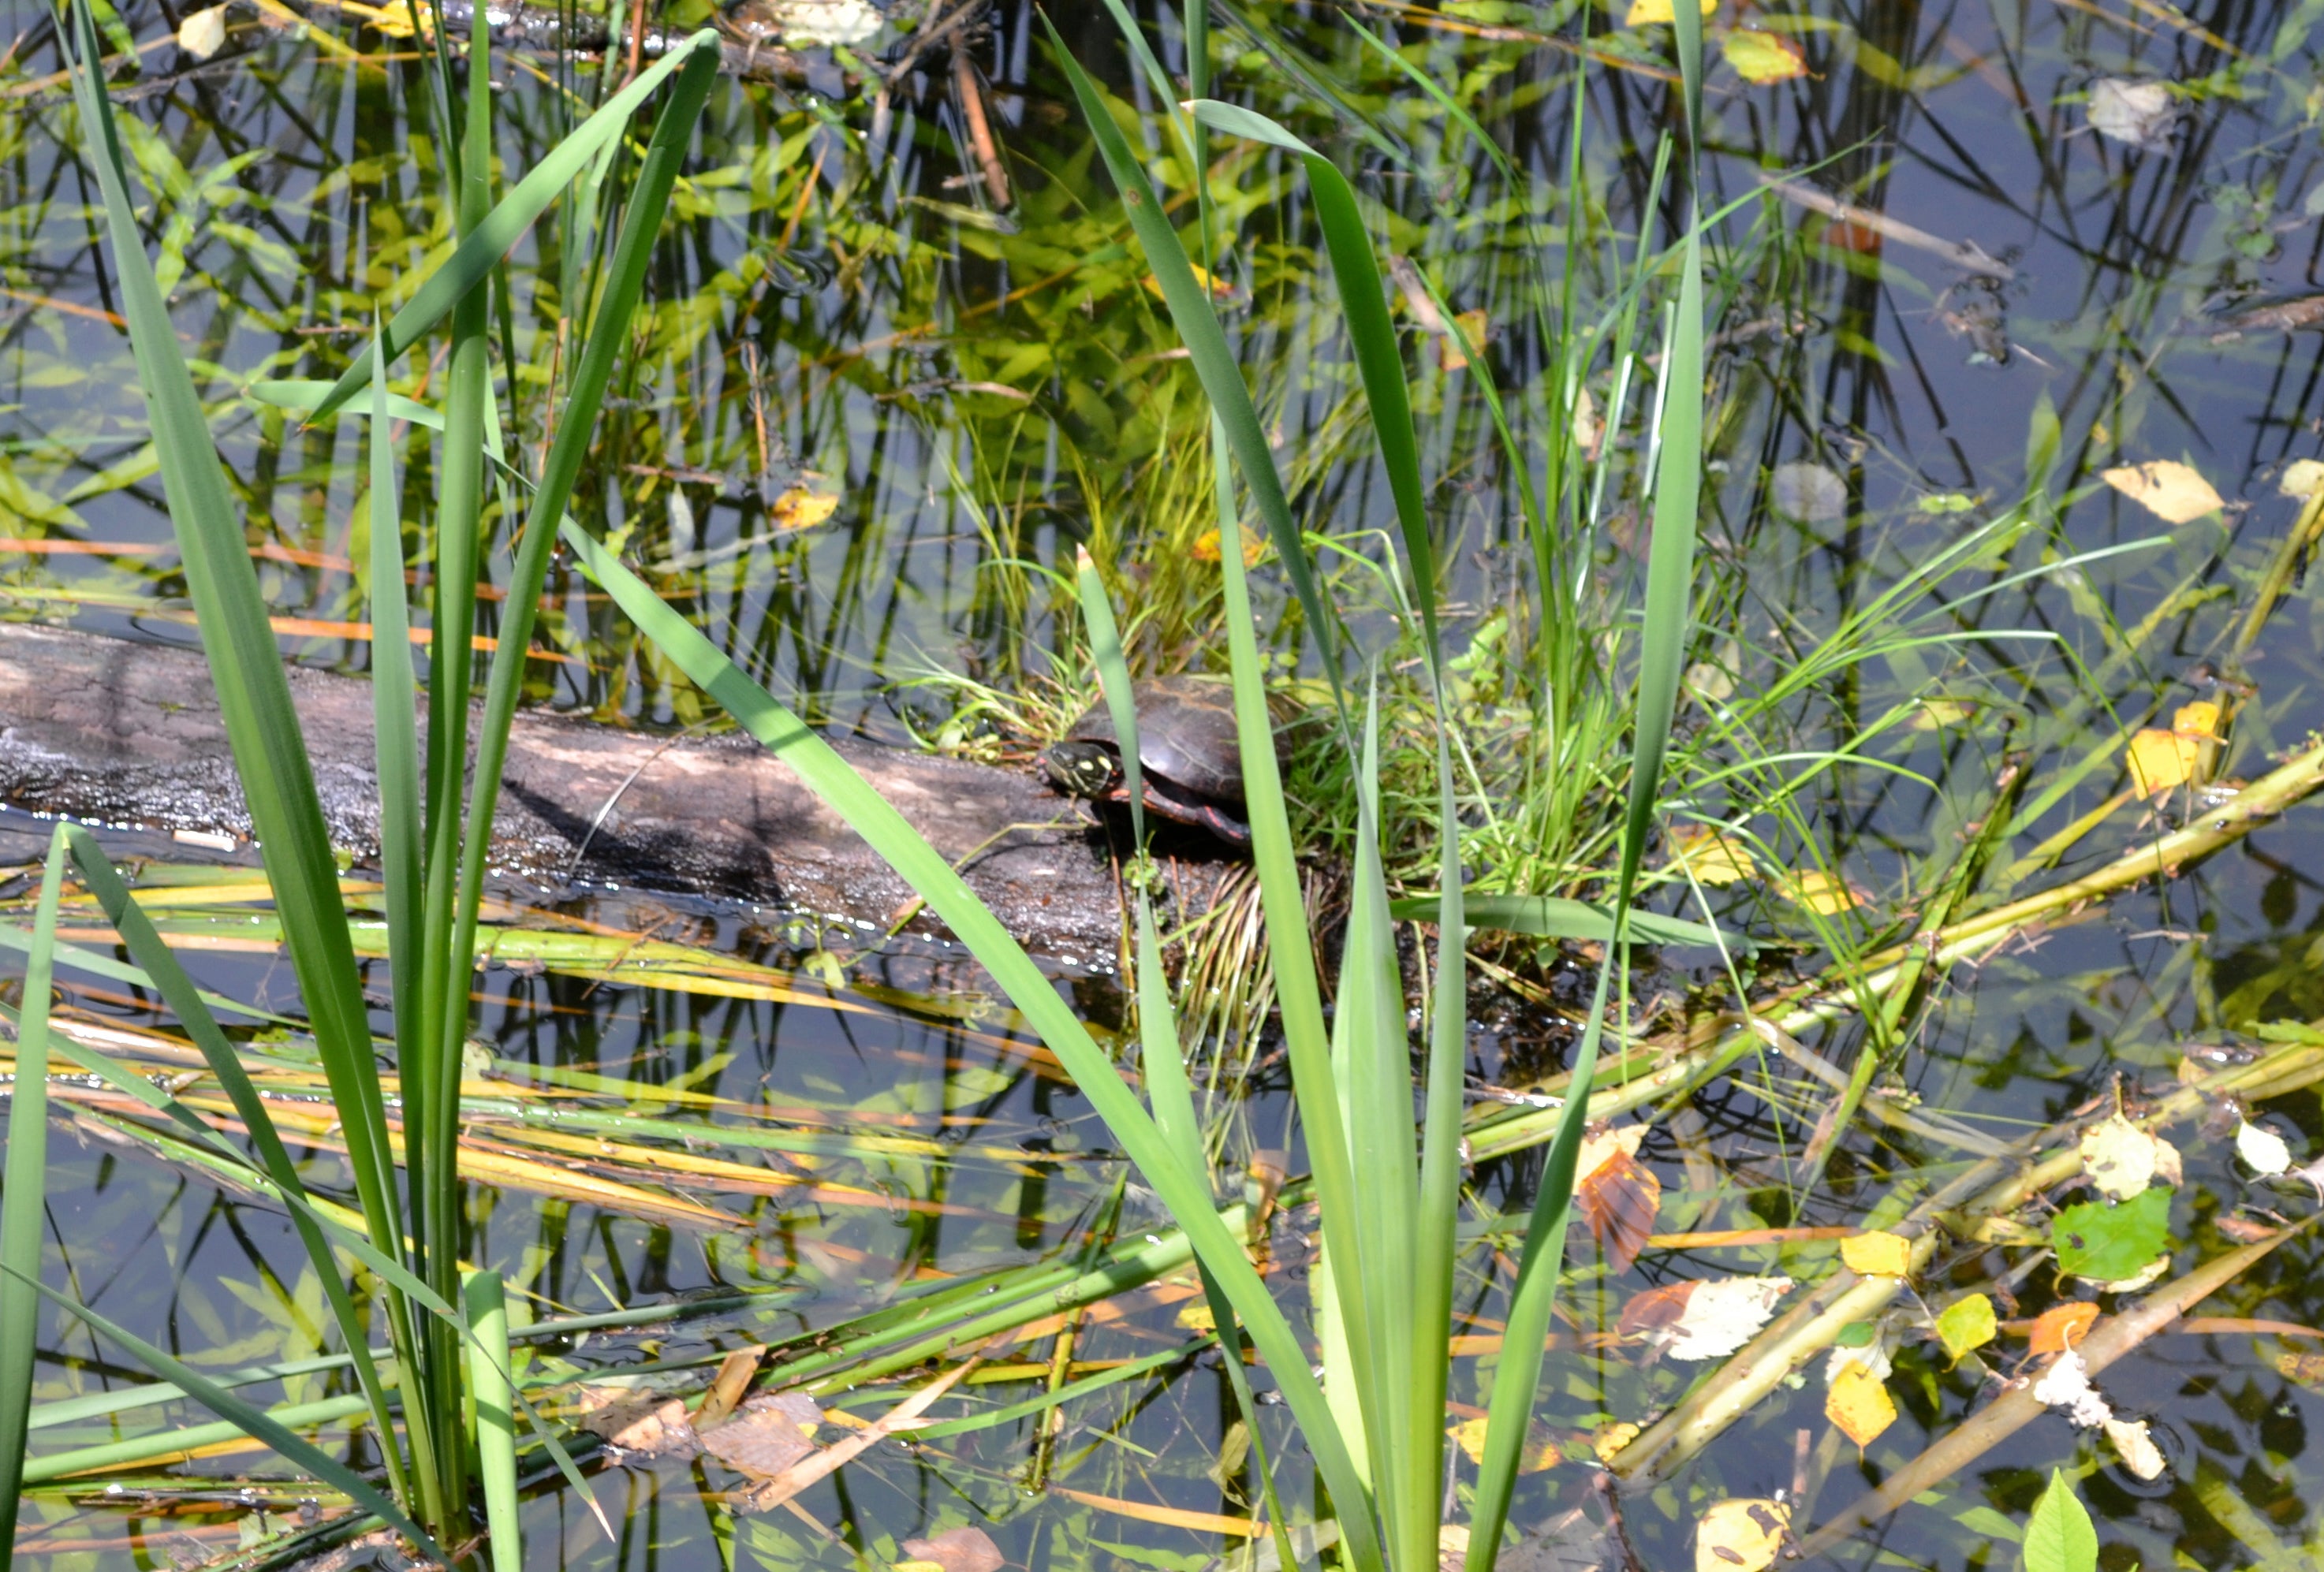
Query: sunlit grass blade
{"type": "Point", "coordinates": [1558, 917]}
{"type": "Point", "coordinates": [395, 713]}
{"type": "Point", "coordinates": [250, 1419]}
{"type": "Point", "coordinates": [1442, 1104]}
{"type": "Point", "coordinates": [1363, 299]}
{"type": "Point", "coordinates": [481, 248]}
{"type": "Point", "coordinates": [254, 695]}
{"type": "Point", "coordinates": [1665, 634]}
{"type": "Point", "coordinates": [1292, 954]}
{"type": "Point", "coordinates": [178, 991]}
{"type": "Point", "coordinates": [931, 878]}
{"type": "Point", "coordinates": [1206, 347]}
{"type": "Point", "coordinates": [24, 1202]}
{"type": "Point", "coordinates": [491, 1392]}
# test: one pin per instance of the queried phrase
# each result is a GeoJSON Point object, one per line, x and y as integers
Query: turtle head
{"type": "Point", "coordinates": [1082, 769]}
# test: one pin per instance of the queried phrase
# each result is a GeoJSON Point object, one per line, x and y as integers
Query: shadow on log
{"type": "Point", "coordinates": [127, 735]}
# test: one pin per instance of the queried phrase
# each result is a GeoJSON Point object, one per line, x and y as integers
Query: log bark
{"type": "Point", "coordinates": [127, 735]}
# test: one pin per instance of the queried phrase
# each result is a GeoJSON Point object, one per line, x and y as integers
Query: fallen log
{"type": "Point", "coordinates": [127, 735]}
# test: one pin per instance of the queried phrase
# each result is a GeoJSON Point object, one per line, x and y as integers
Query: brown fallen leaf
{"type": "Point", "coordinates": [638, 1428]}
{"type": "Point", "coordinates": [727, 1389]}
{"type": "Point", "coordinates": [1619, 1201]}
{"type": "Point", "coordinates": [961, 1549]}
{"type": "Point", "coordinates": [768, 1434]}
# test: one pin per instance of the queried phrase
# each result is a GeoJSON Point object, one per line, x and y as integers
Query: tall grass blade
{"type": "Point", "coordinates": [251, 1421]}
{"type": "Point", "coordinates": [1667, 625]}
{"type": "Point", "coordinates": [1206, 346]}
{"type": "Point", "coordinates": [491, 1390]}
{"type": "Point", "coordinates": [1283, 910]}
{"type": "Point", "coordinates": [480, 248]}
{"type": "Point", "coordinates": [921, 867]}
{"type": "Point", "coordinates": [395, 710]}
{"type": "Point", "coordinates": [24, 1200]}
{"type": "Point", "coordinates": [254, 695]}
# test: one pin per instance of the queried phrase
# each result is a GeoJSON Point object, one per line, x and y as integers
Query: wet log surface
{"type": "Point", "coordinates": [127, 735]}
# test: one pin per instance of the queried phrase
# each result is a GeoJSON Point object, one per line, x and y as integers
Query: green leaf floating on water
{"type": "Point", "coordinates": [2059, 1537]}
{"type": "Point", "coordinates": [2110, 1243]}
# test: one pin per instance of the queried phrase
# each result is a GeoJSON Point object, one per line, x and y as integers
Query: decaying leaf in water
{"type": "Point", "coordinates": [1740, 1536]}
{"type": "Point", "coordinates": [2172, 491]}
{"type": "Point", "coordinates": [2110, 1243]}
{"type": "Point", "coordinates": [1603, 1144]}
{"type": "Point", "coordinates": [1708, 682]}
{"type": "Point", "coordinates": [1877, 1254]}
{"type": "Point", "coordinates": [1703, 1319]}
{"type": "Point", "coordinates": [1646, 13]}
{"type": "Point", "coordinates": [2137, 113]}
{"type": "Point", "coordinates": [2119, 1159]}
{"type": "Point", "coordinates": [767, 1434]}
{"type": "Point", "coordinates": [1711, 856]}
{"type": "Point", "coordinates": [2061, 1326]}
{"type": "Point", "coordinates": [644, 1428]}
{"type": "Point", "coordinates": [2134, 1445]}
{"type": "Point", "coordinates": [1196, 1316]}
{"type": "Point", "coordinates": [1541, 1449]}
{"type": "Point", "coordinates": [2303, 477]}
{"type": "Point", "coordinates": [2161, 761]}
{"type": "Point", "coordinates": [801, 508]}
{"type": "Point", "coordinates": [1619, 1200]}
{"type": "Point", "coordinates": [962, 1549]}
{"type": "Point", "coordinates": [1937, 713]}
{"type": "Point", "coordinates": [1206, 547]}
{"type": "Point", "coordinates": [1763, 58]}
{"type": "Point", "coordinates": [1825, 894]}
{"type": "Point", "coordinates": [203, 33]}
{"type": "Point", "coordinates": [1473, 329]}
{"type": "Point", "coordinates": [1589, 431]}
{"type": "Point", "coordinates": [2308, 1369]}
{"type": "Point", "coordinates": [1609, 1442]}
{"type": "Point", "coordinates": [2263, 1151]}
{"type": "Point", "coordinates": [1809, 492]}
{"type": "Point", "coordinates": [1859, 1404]}
{"type": "Point", "coordinates": [1967, 1325]}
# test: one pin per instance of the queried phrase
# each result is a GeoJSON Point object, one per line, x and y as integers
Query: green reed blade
{"type": "Point", "coordinates": [395, 705]}
{"type": "Point", "coordinates": [1169, 1091]}
{"type": "Point", "coordinates": [1206, 347]}
{"type": "Point", "coordinates": [1063, 1394]}
{"type": "Point", "coordinates": [480, 248]}
{"type": "Point", "coordinates": [1444, 1103]}
{"type": "Point", "coordinates": [1558, 917]}
{"type": "Point", "coordinates": [491, 1390]}
{"type": "Point", "coordinates": [1363, 299]}
{"type": "Point", "coordinates": [248, 1419]}
{"type": "Point", "coordinates": [24, 1198]}
{"type": "Point", "coordinates": [1283, 909]}
{"type": "Point", "coordinates": [178, 991]}
{"type": "Point", "coordinates": [870, 815]}
{"type": "Point", "coordinates": [254, 695]}
{"type": "Point", "coordinates": [609, 335]}
{"type": "Point", "coordinates": [155, 1445]}
{"type": "Point", "coordinates": [1667, 627]}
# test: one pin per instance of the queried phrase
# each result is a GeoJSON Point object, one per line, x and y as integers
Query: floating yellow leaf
{"type": "Point", "coordinates": [1826, 895]}
{"type": "Point", "coordinates": [1740, 1536]}
{"type": "Point", "coordinates": [1196, 1317]}
{"type": "Point", "coordinates": [2161, 761]}
{"type": "Point", "coordinates": [1541, 1450]}
{"type": "Point", "coordinates": [1763, 58]}
{"type": "Point", "coordinates": [1967, 1325]}
{"type": "Point", "coordinates": [1711, 855]}
{"type": "Point", "coordinates": [1877, 1254]}
{"type": "Point", "coordinates": [1646, 13]}
{"type": "Point", "coordinates": [203, 33]}
{"type": "Point", "coordinates": [2118, 1158]}
{"type": "Point", "coordinates": [1218, 288]}
{"type": "Point", "coordinates": [1472, 331]}
{"type": "Point", "coordinates": [2134, 1443]}
{"type": "Point", "coordinates": [801, 508]}
{"type": "Point", "coordinates": [2170, 491]}
{"type": "Point", "coordinates": [1859, 1405]}
{"type": "Point", "coordinates": [1609, 1442]}
{"type": "Point", "coordinates": [2300, 478]}
{"type": "Point", "coordinates": [1206, 547]}
{"type": "Point", "coordinates": [1938, 713]}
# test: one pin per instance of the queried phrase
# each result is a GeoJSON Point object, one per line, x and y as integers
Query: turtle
{"type": "Point", "coordinates": [1190, 764]}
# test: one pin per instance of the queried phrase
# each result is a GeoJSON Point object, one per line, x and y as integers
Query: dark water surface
{"type": "Point", "coordinates": [977, 387]}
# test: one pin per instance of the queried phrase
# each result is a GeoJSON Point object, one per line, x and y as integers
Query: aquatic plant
{"type": "Point", "coordinates": [451, 1392]}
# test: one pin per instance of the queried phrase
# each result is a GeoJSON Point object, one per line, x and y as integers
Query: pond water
{"type": "Point", "coordinates": [872, 412]}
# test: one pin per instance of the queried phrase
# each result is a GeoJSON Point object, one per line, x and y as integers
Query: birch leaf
{"type": "Point", "coordinates": [2175, 492]}
{"type": "Point", "coordinates": [1859, 1404]}
{"type": "Point", "coordinates": [1967, 1325]}
{"type": "Point", "coordinates": [1740, 1536]}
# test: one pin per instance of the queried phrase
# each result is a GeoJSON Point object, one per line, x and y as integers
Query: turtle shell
{"type": "Point", "coordinates": [1186, 734]}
